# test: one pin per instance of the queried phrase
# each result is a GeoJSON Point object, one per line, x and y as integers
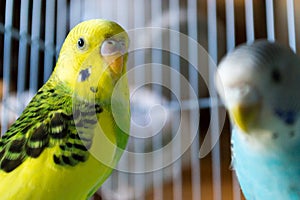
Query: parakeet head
{"type": "Point", "coordinates": [92, 58]}
{"type": "Point", "coordinates": [259, 86]}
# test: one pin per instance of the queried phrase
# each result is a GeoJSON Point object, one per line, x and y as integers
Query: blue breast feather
{"type": "Point", "coordinates": [266, 174]}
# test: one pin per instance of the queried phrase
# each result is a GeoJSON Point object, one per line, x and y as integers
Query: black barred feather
{"type": "Point", "coordinates": [17, 146]}
{"type": "Point", "coordinates": [47, 121]}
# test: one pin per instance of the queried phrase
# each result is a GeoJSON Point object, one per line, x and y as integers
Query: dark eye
{"type": "Point", "coordinates": [276, 76]}
{"type": "Point", "coordinates": [80, 43]}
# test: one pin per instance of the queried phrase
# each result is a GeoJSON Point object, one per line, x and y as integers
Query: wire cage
{"type": "Point", "coordinates": [175, 47]}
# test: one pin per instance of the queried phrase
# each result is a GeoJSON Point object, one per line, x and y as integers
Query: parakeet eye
{"type": "Point", "coordinates": [81, 43]}
{"type": "Point", "coordinates": [111, 47]}
{"type": "Point", "coordinates": [276, 76]}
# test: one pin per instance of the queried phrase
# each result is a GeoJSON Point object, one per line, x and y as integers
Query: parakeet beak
{"type": "Point", "coordinates": [244, 115]}
{"type": "Point", "coordinates": [113, 52]}
{"type": "Point", "coordinates": [244, 104]}
{"type": "Point", "coordinates": [115, 62]}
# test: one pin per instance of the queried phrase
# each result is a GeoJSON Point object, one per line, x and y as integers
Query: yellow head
{"type": "Point", "coordinates": [92, 58]}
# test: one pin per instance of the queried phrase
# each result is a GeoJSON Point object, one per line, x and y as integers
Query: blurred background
{"type": "Point", "coordinates": [164, 110]}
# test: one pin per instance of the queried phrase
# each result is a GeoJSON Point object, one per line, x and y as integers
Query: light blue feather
{"type": "Point", "coordinates": [266, 174]}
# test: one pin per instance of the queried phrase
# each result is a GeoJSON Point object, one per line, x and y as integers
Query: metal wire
{"type": "Point", "coordinates": [193, 79]}
{"type": "Point", "coordinates": [230, 30]}
{"type": "Point", "coordinates": [156, 10]}
{"type": "Point", "coordinates": [7, 60]}
{"type": "Point", "coordinates": [212, 50]}
{"type": "Point", "coordinates": [249, 21]}
{"type": "Point", "coordinates": [270, 20]}
{"type": "Point", "coordinates": [139, 78]}
{"type": "Point", "coordinates": [291, 24]}
{"type": "Point", "coordinates": [175, 88]}
{"type": "Point", "coordinates": [61, 24]}
{"type": "Point", "coordinates": [49, 39]}
{"type": "Point", "coordinates": [34, 51]}
{"type": "Point", "coordinates": [23, 46]}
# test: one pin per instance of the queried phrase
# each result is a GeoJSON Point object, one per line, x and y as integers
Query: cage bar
{"type": "Point", "coordinates": [34, 51]}
{"type": "Point", "coordinates": [175, 88]}
{"type": "Point", "coordinates": [249, 21]}
{"type": "Point", "coordinates": [291, 24]}
{"type": "Point", "coordinates": [270, 20]}
{"type": "Point", "coordinates": [230, 30]}
{"type": "Point", "coordinates": [49, 39]}
{"type": "Point", "coordinates": [24, 15]}
{"type": "Point", "coordinates": [193, 79]}
{"type": "Point", "coordinates": [61, 24]}
{"type": "Point", "coordinates": [213, 52]}
{"type": "Point", "coordinates": [7, 61]}
{"type": "Point", "coordinates": [156, 10]}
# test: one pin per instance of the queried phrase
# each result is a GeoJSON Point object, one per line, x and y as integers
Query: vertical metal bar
{"type": "Point", "coordinates": [98, 5]}
{"type": "Point", "coordinates": [35, 37]}
{"type": "Point", "coordinates": [291, 24]}
{"type": "Point", "coordinates": [249, 21]}
{"type": "Point", "coordinates": [175, 88]}
{"type": "Point", "coordinates": [23, 47]}
{"type": "Point", "coordinates": [193, 80]}
{"type": "Point", "coordinates": [49, 39]}
{"type": "Point", "coordinates": [230, 30]}
{"type": "Point", "coordinates": [107, 11]}
{"type": "Point", "coordinates": [6, 61]}
{"type": "Point", "coordinates": [213, 52]}
{"type": "Point", "coordinates": [157, 143]}
{"type": "Point", "coordinates": [75, 12]}
{"type": "Point", "coordinates": [139, 76]}
{"type": "Point", "coordinates": [270, 20]}
{"type": "Point", "coordinates": [88, 10]}
{"type": "Point", "coordinates": [61, 24]}
{"type": "Point", "coordinates": [122, 15]}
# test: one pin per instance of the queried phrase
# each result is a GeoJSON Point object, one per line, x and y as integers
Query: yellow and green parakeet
{"type": "Point", "coordinates": [259, 86]}
{"type": "Point", "coordinates": [67, 141]}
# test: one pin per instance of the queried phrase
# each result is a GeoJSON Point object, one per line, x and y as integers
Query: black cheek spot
{"type": "Point", "coordinates": [275, 136]}
{"type": "Point", "coordinates": [84, 74]}
{"type": "Point", "coordinates": [98, 108]}
{"type": "Point", "coordinates": [94, 89]}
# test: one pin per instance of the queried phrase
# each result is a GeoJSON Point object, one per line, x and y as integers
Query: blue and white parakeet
{"type": "Point", "coordinates": [260, 87]}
